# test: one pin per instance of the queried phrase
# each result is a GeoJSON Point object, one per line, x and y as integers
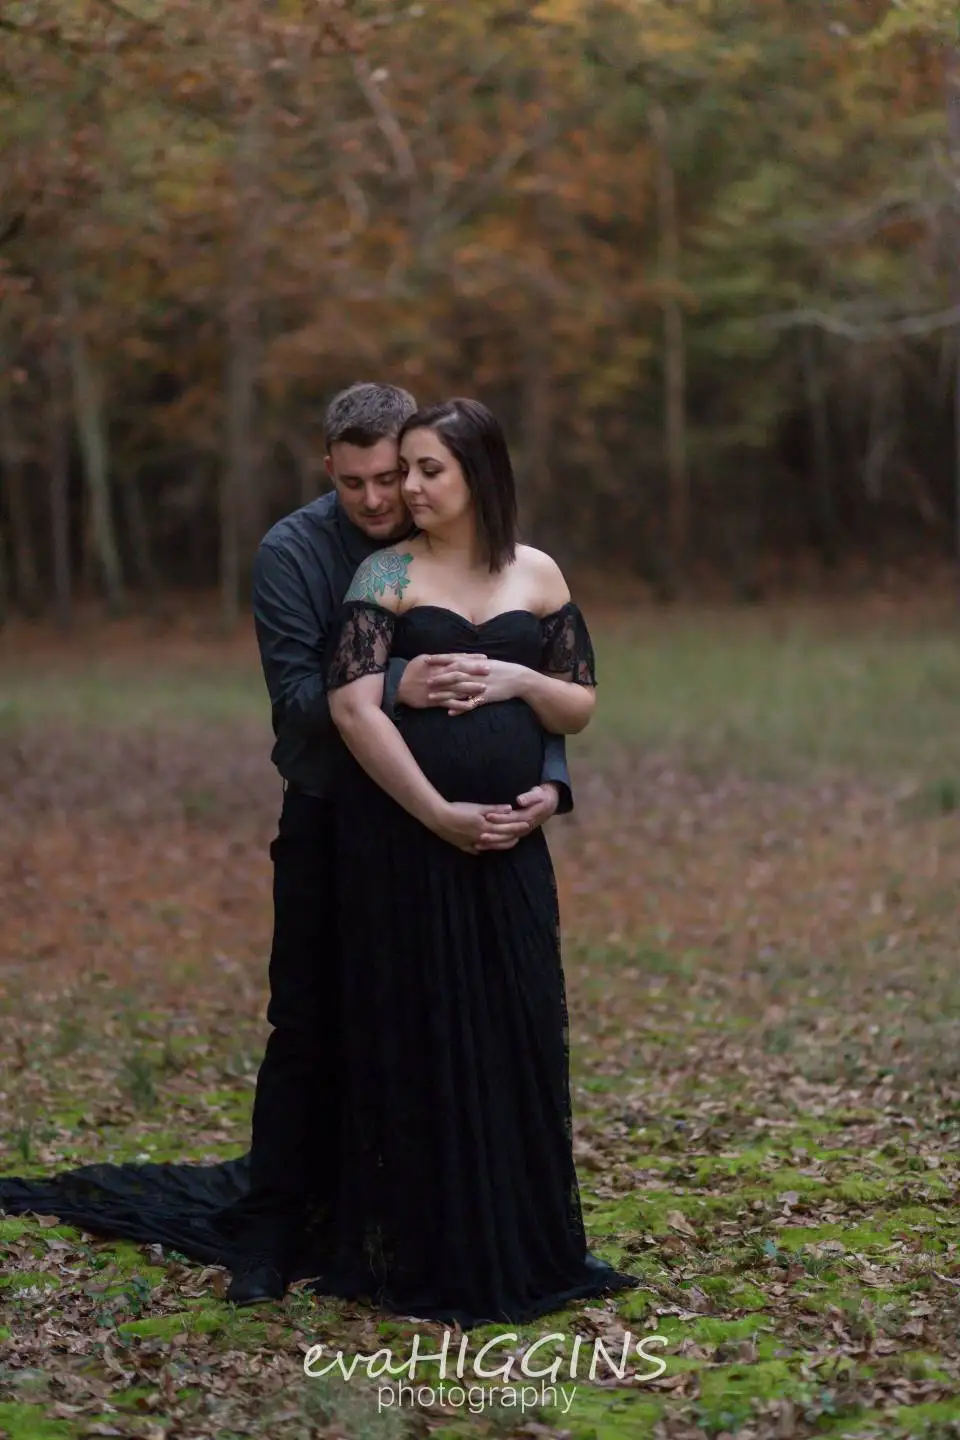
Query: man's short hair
{"type": "Point", "coordinates": [365, 413]}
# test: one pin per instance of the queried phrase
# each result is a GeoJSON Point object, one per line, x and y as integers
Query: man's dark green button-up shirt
{"type": "Point", "coordinates": [303, 569]}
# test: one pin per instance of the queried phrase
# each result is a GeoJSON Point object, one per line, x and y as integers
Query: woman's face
{"type": "Point", "coordinates": [432, 482]}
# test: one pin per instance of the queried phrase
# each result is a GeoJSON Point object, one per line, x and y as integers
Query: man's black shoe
{"type": "Point", "coordinates": [256, 1279]}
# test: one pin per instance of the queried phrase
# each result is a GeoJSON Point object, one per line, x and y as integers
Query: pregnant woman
{"type": "Point", "coordinates": [459, 1197]}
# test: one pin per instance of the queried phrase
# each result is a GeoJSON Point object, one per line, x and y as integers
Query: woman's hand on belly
{"type": "Point", "coordinates": [478, 828]}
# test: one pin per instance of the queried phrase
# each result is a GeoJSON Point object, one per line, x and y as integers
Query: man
{"type": "Point", "coordinates": [303, 569]}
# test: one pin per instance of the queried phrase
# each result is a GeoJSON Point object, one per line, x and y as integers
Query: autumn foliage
{"type": "Point", "coordinates": [701, 257]}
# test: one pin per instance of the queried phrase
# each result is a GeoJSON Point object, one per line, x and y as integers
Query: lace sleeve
{"type": "Point", "coordinates": [359, 643]}
{"type": "Point", "coordinates": [567, 649]}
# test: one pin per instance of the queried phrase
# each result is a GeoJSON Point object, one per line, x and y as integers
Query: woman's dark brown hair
{"type": "Point", "coordinates": [472, 434]}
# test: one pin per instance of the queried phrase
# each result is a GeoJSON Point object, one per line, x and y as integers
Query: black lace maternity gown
{"type": "Point", "coordinates": [458, 1196]}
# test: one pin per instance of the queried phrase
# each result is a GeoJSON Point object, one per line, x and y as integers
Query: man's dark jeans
{"type": "Point", "coordinates": [295, 1142]}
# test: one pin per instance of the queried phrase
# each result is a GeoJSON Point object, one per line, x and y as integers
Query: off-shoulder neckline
{"type": "Point", "coordinates": [474, 624]}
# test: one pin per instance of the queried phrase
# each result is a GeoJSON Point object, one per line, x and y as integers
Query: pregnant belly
{"type": "Point", "coordinates": [491, 754]}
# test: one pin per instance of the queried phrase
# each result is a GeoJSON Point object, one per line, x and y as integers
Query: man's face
{"type": "Point", "coordinates": [368, 485]}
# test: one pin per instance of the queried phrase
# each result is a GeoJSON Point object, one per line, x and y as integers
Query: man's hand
{"type": "Point", "coordinates": [534, 808]}
{"type": "Point", "coordinates": [430, 680]}
{"type": "Point", "coordinates": [540, 804]}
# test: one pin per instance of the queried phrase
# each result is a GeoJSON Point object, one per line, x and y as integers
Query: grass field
{"type": "Point", "coordinates": [761, 895]}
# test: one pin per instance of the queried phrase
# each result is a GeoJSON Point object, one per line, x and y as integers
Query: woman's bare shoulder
{"type": "Point", "coordinates": [545, 579]}
{"type": "Point", "coordinates": [383, 576]}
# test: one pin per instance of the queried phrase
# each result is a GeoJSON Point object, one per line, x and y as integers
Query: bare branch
{"type": "Point", "coordinates": [860, 225]}
{"type": "Point", "coordinates": [908, 327]}
{"type": "Point", "coordinates": [502, 266]}
{"type": "Point", "coordinates": [140, 21]}
{"type": "Point", "coordinates": [390, 127]}
{"type": "Point", "coordinates": [488, 183]}
{"type": "Point", "coordinates": [358, 210]}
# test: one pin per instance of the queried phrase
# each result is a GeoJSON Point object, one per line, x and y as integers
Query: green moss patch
{"type": "Point", "coordinates": [29, 1422]}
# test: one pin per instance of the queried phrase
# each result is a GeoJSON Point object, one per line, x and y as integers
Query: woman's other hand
{"type": "Point", "coordinates": [479, 828]}
{"type": "Point", "coordinates": [503, 681]}
{"type": "Point", "coordinates": [442, 680]}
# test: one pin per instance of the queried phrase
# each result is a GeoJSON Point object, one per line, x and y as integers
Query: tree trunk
{"type": "Point", "coordinates": [674, 358]}
{"type": "Point", "coordinates": [237, 473]}
{"type": "Point", "coordinates": [24, 558]}
{"type": "Point", "coordinates": [538, 419]}
{"type": "Point", "coordinates": [537, 422]}
{"type": "Point", "coordinates": [309, 469]}
{"type": "Point", "coordinates": [139, 535]}
{"type": "Point", "coordinates": [239, 501]}
{"type": "Point", "coordinates": [953, 130]}
{"type": "Point", "coordinates": [197, 556]}
{"type": "Point", "coordinates": [91, 431]}
{"type": "Point", "coordinates": [825, 509]}
{"type": "Point", "coordinates": [59, 471]}
{"type": "Point", "coordinates": [4, 581]}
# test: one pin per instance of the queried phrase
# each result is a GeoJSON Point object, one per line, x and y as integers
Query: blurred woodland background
{"type": "Point", "coordinates": [703, 257]}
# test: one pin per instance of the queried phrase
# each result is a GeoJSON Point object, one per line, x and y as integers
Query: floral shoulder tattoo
{"type": "Point", "coordinates": [382, 573]}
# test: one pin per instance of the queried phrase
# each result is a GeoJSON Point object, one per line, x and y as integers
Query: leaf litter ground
{"type": "Point", "coordinates": [761, 962]}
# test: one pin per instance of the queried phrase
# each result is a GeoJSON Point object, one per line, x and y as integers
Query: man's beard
{"type": "Point", "coordinates": [405, 528]}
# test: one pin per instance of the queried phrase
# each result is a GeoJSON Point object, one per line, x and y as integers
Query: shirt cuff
{"type": "Point", "coordinates": [565, 794]}
{"type": "Point", "coordinates": [391, 684]}
{"type": "Point", "coordinates": [555, 772]}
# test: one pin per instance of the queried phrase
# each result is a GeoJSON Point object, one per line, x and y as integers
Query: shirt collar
{"type": "Point", "coordinates": [355, 543]}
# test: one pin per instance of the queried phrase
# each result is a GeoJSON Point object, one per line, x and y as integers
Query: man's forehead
{"type": "Point", "coordinates": [365, 460]}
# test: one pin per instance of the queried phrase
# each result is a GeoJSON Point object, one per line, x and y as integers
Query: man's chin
{"type": "Point", "coordinates": [386, 529]}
